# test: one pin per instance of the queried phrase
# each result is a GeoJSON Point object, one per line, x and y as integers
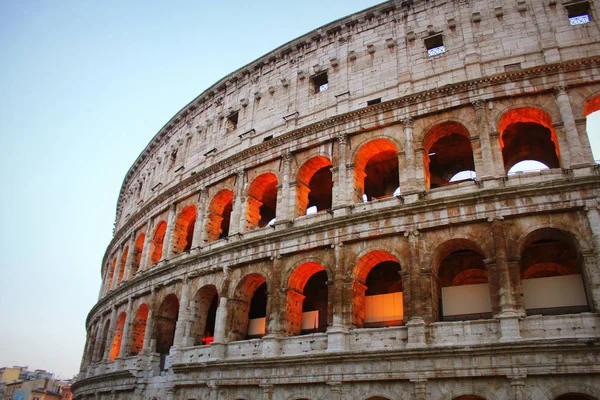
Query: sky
{"type": "Point", "coordinates": [84, 87]}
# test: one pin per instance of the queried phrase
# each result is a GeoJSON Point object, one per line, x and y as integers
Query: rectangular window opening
{"type": "Point", "coordinates": [267, 138]}
{"type": "Point", "coordinates": [579, 13]}
{"type": "Point", "coordinates": [319, 82]}
{"type": "Point", "coordinates": [232, 122]}
{"type": "Point", "coordinates": [435, 45]}
{"type": "Point", "coordinates": [373, 102]}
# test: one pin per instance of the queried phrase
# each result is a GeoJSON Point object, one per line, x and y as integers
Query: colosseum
{"type": "Point", "coordinates": [342, 219]}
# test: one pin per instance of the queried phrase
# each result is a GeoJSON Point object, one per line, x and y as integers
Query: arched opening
{"type": "Point", "coordinates": [376, 170]}
{"type": "Point", "coordinates": [378, 298]}
{"type": "Point", "coordinates": [378, 398]}
{"type": "Point", "coordinates": [591, 112]}
{"type": "Point", "coordinates": [463, 291]}
{"type": "Point", "coordinates": [137, 254]}
{"type": "Point", "coordinates": [118, 336]}
{"type": "Point", "coordinates": [262, 201]}
{"type": "Point", "coordinates": [111, 274]}
{"type": "Point", "coordinates": [527, 134]}
{"type": "Point", "coordinates": [468, 397]}
{"type": "Point", "coordinates": [314, 186]}
{"type": "Point", "coordinates": [122, 264]}
{"type": "Point", "coordinates": [551, 274]}
{"type": "Point", "coordinates": [156, 245]}
{"type": "Point", "coordinates": [448, 155]}
{"type": "Point", "coordinates": [307, 305]}
{"type": "Point", "coordinates": [138, 330]}
{"type": "Point", "coordinates": [103, 340]}
{"type": "Point", "coordinates": [164, 326]}
{"type": "Point", "coordinates": [183, 231]}
{"type": "Point", "coordinates": [204, 313]}
{"type": "Point", "coordinates": [575, 396]}
{"type": "Point", "coordinates": [248, 310]}
{"type": "Point", "coordinates": [91, 345]}
{"type": "Point", "coordinates": [219, 216]}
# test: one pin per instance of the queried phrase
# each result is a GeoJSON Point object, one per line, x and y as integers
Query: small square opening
{"type": "Point", "coordinates": [435, 45]}
{"type": "Point", "coordinates": [232, 122]}
{"type": "Point", "coordinates": [319, 82]}
{"type": "Point", "coordinates": [373, 102]}
{"type": "Point", "coordinates": [579, 13]}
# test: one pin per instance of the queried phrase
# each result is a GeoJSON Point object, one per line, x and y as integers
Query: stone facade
{"type": "Point", "coordinates": [299, 230]}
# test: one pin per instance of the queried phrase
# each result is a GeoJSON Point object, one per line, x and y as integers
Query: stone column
{"type": "Point", "coordinates": [338, 283]}
{"type": "Point", "coordinates": [286, 203]}
{"type": "Point", "coordinates": [129, 261]}
{"type": "Point", "coordinates": [340, 185]}
{"type": "Point", "coordinates": [478, 161]}
{"type": "Point", "coordinates": [416, 323]}
{"type": "Point", "coordinates": [517, 384]}
{"type": "Point", "coordinates": [167, 250]}
{"type": "Point", "coordinates": [182, 317]}
{"type": "Point", "coordinates": [111, 334]}
{"type": "Point", "coordinates": [238, 216]}
{"type": "Point", "coordinates": [498, 166]}
{"type": "Point", "coordinates": [335, 390]}
{"type": "Point", "coordinates": [566, 113]}
{"type": "Point", "coordinates": [96, 356]}
{"type": "Point", "coordinates": [201, 216]}
{"type": "Point", "coordinates": [514, 271]}
{"type": "Point", "coordinates": [125, 336]}
{"type": "Point", "coordinates": [420, 389]}
{"type": "Point", "coordinates": [221, 321]}
{"type": "Point", "coordinates": [146, 249]}
{"type": "Point", "coordinates": [590, 268]}
{"type": "Point", "coordinates": [490, 166]}
{"type": "Point", "coordinates": [274, 299]}
{"type": "Point", "coordinates": [267, 392]}
{"type": "Point", "coordinates": [407, 173]}
{"type": "Point", "coordinates": [509, 321]}
{"type": "Point", "coordinates": [419, 170]}
{"type": "Point", "coordinates": [146, 347]}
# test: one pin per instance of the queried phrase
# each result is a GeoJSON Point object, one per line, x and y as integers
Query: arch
{"type": "Point", "coordinates": [376, 172]}
{"type": "Point", "coordinates": [551, 275]}
{"type": "Point", "coordinates": [526, 133]}
{"type": "Point", "coordinates": [377, 398]}
{"type": "Point", "coordinates": [468, 397]}
{"type": "Point", "coordinates": [156, 245]}
{"type": "Point", "coordinates": [102, 342]}
{"type": "Point", "coordinates": [115, 349]}
{"type": "Point", "coordinates": [377, 290]}
{"type": "Point", "coordinates": [122, 264]}
{"type": "Point", "coordinates": [248, 310]}
{"type": "Point", "coordinates": [582, 390]}
{"type": "Point", "coordinates": [219, 215]}
{"type": "Point", "coordinates": [183, 231]}
{"type": "Point", "coordinates": [574, 396]}
{"type": "Point", "coordinates": [111, 274]}
{"type": "Point", "coordinates": [261, 206]}
{"type": "Point", "coordinates": [461, 286]}
{"type": "Point", "coordinates": [307, 299]}
{"type": "Point", "coordinates": [203, 315]}
{"type": "Point", "coordinates": [591, 105]}
{"type": "Point", "coordinates": [447, 151]}
{"type": "Point", "coordinates": [164, 326]}
{"type": "Point", "coordinates": [138, 248]}
{"type": "Point", "coordinates": [138, 330]}
{"type": "Point", "coordinates": [314, 185]}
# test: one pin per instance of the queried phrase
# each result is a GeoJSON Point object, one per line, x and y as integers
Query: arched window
{"type": "Point", "coordinates": [378, 298]}
{"type": "Point", "coordinates": [591, 112]}
{"type": "Point", "coordinates": [248, 311]}
{"type": "Point", "coordinates": [138, 330]}
{"type": "Point", "coordinates": [463, 291]}
{"type": "Point", "coordinates": [102, 342]}
{"type": "Point", "coordinates": [448, 155]}
{"type": "Point", "coordinates": [183, 231]}
{"type": "Point", "coordinates": [118, 336]}
{"type": "Point", "coordinates": [376, 170]}
{"type": "Point", "coordinates": [164, 326]}
{"type": "Point", "coordinates": [137, 254]}
{"type": "Point", "coordinates": [527, 134]}
{"type": "Point", "coordinates": [219, 216]}
{"type": "Point", "coordinates": [307, 305]}
{"type": "Point", "coordinates": [262, 201]}
{"type": "Point", "coordinates": [156, 245]}
{"type": "Point", "coordinates": [122, 264]}
{"type": "Point", "coordinates": [313, 186]}
{"type": "Point", "coordinates": [551, 274]}
{"type": "Point", "coordinates": [204, 313]}
{"type": "Point", "coordinates": [575, 396]}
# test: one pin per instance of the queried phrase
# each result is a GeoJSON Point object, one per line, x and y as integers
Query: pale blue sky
{"type": "Point", "coordinates": [84, 86]}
